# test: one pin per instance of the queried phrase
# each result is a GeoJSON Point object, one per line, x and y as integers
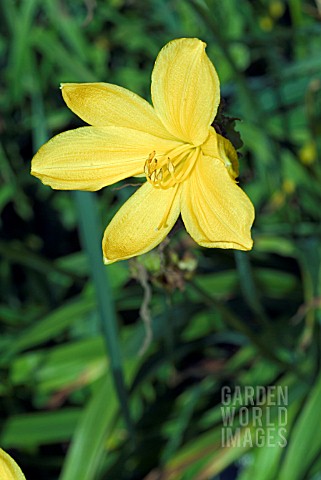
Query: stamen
{"type": "Point", "coordinates": [165, 172]}
{"type": "Point", "coordinates": [153, 176]}
{"type": "Point", "coordinates": [170, 166]}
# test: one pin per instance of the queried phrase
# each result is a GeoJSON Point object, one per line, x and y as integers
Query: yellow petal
{"type": "Point", "coordinates": [215, 211]}
{"type": "Point", "coordinates": [185, 89]}
{"type": "Point", "coordinates": [90, 158]}
{"type": "Point", "coordinates": [221, 148]}
{"type": "Point", "coordinates": [141, 223]}
{"type": "Point", "coordinates": [103, 104]}
{"type": "Point", "coordinates": [210, 147]}
{"type": "Point", "coordinates": [9, 470]}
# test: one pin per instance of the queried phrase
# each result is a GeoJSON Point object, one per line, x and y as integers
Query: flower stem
{"type": "Point", "coordinates": [89, 231]}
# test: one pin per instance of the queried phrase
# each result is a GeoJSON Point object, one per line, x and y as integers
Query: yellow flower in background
{"type": "Point", "coordinates": [189, 168]}
{"type": "Point", "coordinates": [9, 470]}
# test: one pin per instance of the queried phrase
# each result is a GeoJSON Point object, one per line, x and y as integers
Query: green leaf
{"type": "Point", "coordinates": [88, 445]}
{"type": "Point", "coordinates": [53, 324]}
{"type": "Point", "coordinates": [305, 440]}
{"type": "Point", "coordinates": [35, 429]}
{"type": "Point", "coordinates": [65, 366]}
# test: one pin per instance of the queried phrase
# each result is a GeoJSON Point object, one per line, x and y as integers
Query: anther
{"type": "Point", "coordinates": [170, 167]}
{"type": "Point", "coordinates": [165, 172]}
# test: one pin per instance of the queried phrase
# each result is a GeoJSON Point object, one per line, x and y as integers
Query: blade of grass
{"type": "Point", "coordinates": [89, 231]}
{"type": "Point", "coordinates": [236, 323]}
{"type": "Point", "coordinates": [41, 428]}
{"type": "Point", "coordinates": [169, 336]}
{"type": "Point", "coordinates": [248, 287]}
{"type": "Point", "coordinates": [88, 445]}
{"type": "Point", "coordinates": [18, 57]}
{"type": "Point", "coordinates": [305, 441]}
{"type": "Point", "coordinates": [39, 125]}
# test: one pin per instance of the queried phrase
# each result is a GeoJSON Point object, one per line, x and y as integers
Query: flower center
{"type": "Point", "coordinates": [167, 170]}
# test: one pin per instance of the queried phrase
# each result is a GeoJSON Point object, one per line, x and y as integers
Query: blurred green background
{"type": "Point", "coordinates": [116, 372]}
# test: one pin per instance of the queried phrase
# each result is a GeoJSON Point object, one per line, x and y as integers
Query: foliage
{"type": "Point", "coordinates": [74, 410]}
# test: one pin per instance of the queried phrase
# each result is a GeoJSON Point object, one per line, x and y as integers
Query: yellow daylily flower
{"type": "Point", "coordinates": [9, 470]}
{"type": "Point", "coordinates": [189, 168]}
